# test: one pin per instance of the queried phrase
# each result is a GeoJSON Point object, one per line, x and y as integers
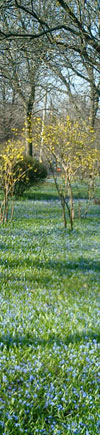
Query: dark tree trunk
{"type": "Point", "coordinates": [29, 138]}
{"type": "Point", "coordinates": [94, 97]}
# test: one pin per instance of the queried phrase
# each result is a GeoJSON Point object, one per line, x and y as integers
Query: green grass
{"type": "Point", "coordinates": [47, 190]}
{"type": "Point", "coordinates": [49, 320]}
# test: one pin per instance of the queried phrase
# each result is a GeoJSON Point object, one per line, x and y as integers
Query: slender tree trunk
{"type": "Point", "coordinates": [6, 203]}
{"type": "Point", "coordinates": [43, 123]}
{"type": "Point", "coordinates": [28, 124]}
{"type": "Point", "coordinates": [94, 97]}
{"type": "Point", "coordinates": [94, 105]}
{"type": "Point", "coordinates": [64, 211]}
{"type": "Point", "coordinates": [71, 205]}
{"type": "Point", "coordinates": [29, 150]}
{"type": "Point", "coordinates": [61, 196]}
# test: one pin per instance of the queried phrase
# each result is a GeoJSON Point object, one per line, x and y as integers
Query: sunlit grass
{"type": "Point", "coordinates": [49, 321]}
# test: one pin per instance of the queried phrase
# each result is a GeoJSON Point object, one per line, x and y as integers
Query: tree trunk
{"type": "Point", "coordinates": [28, 124]}
{"type": "Point", "coordinates": [71, 207]}
{"type": "Point", "coordinates": [42, 130]}
{"type": "Point", "coordinates": [94, 97]}
{"type": "Point", "coordinates": [29, 150]}
{"type": "Point", "coordinates": [63, 203]}
{"type": "Point", "coordinates": [94, 105]}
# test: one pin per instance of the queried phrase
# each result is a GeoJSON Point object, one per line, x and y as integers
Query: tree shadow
{"type": "Point", "coordinates": [60, 266]}
{"type": "Point", "coordinates": [40, 196]}
{"type": "Point", "coordinates": [28, 340]}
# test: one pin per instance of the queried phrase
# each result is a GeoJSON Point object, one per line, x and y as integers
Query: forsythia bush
{"type": "Point", "coordinates": [69, 145]}
{"type": "Point", "coordinates": [12, 153]}
{"type": "Point", "coordinates": [33, 171]}
{"type": "Point", "coordinates": [17, 172]}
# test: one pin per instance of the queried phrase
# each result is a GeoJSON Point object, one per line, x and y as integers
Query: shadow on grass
{"type": "Point", "coordinates": [39, 196]}
{"type": "Point", "coordinates": [64, 266]}
{"type": "Point", "coordinates": [30, 340]}
{"type": "Point", "coordinates": [49, 196]}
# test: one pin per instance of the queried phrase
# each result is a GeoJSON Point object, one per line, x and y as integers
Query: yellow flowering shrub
{"type": "Point", "coordinates": [11, 154]}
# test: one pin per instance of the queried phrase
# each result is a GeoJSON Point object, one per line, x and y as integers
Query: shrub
{"type": "Point", "coordinates": [33, 171]}
{"type": "Point", "coordinates": [11, 154]}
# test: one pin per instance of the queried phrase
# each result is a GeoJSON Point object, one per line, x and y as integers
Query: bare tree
{"type": "Point", "coordinates": [80, 19]}
{"type": "Point", "coordinates": [22, 67]}
{"type": "Point", "coordinates": [67, 34]}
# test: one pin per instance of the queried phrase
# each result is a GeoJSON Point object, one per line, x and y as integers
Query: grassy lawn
{"type": "Point", "coordinates": [49, 319]}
